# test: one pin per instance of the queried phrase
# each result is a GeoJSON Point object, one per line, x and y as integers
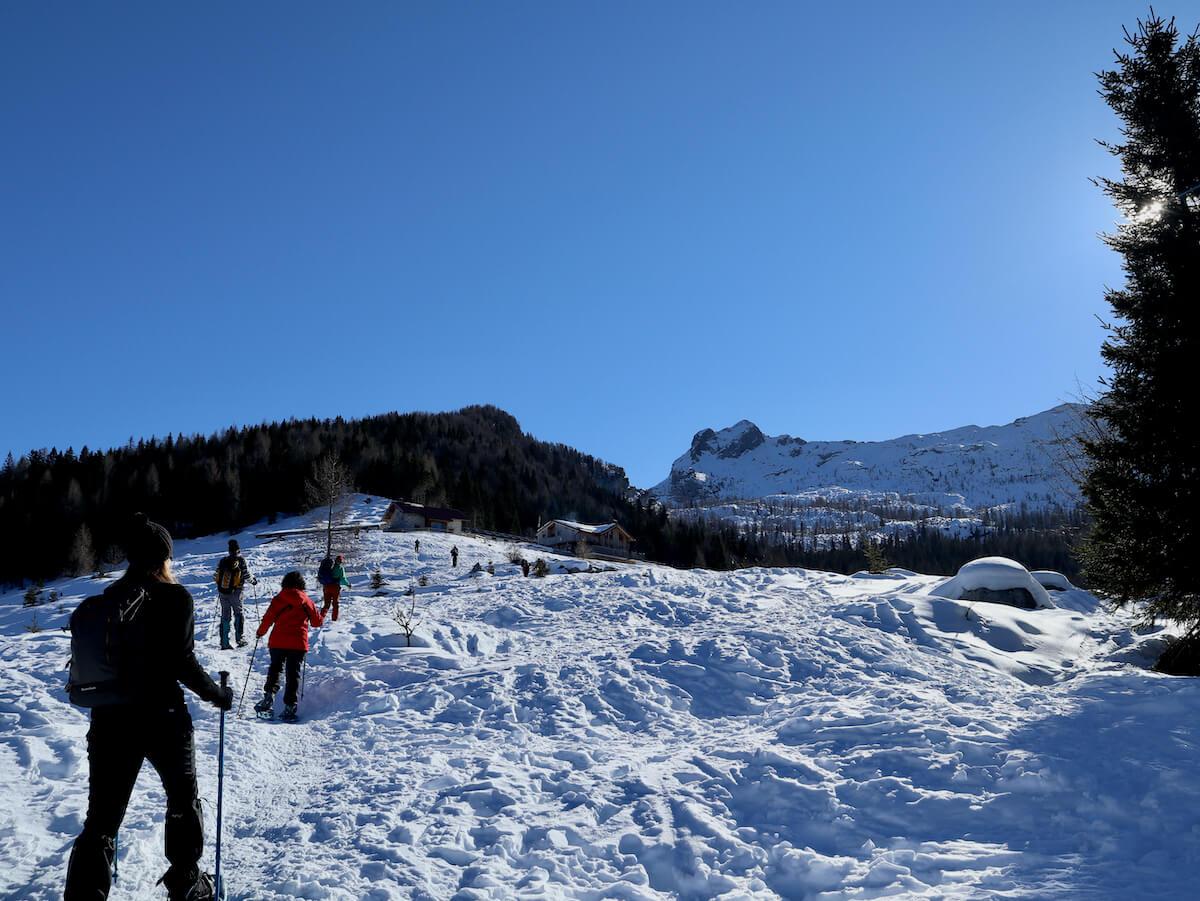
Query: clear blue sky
{"type": "Point", "coordinates": [622, 222]}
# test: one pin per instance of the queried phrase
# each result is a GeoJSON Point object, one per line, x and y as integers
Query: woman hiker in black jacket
{"type": "Point", "coordinates": [151, 723]}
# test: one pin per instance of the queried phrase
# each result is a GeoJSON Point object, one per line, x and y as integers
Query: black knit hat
{"type": "Point", "coordinates": [147, 544]}
{"type": "Point", "coordinates": [233, 546]}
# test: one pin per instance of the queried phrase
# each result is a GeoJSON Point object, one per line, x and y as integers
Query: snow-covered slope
{"type": "Point", "coordinates": [645, 733]}
{"type": "Point", "coordinates": [973, 467]}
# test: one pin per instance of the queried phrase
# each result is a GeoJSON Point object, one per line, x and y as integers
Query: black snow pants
{"type": "Point", "coordinates": [291, 659]}
{"type": "Point", "coordinates": [119, 740]}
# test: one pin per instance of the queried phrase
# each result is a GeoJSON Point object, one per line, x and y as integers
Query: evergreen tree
{"type": "Point", "coordinates": [1140, 481]}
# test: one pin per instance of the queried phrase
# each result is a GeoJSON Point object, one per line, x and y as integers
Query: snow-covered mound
{"type": "Point", "coordinates": [1052, 581]}
{"type": "Point", "coordinates": [643, 733]}
{"type": "Point", "coordinates": [1014, 464]}
{"type": "Point", "coordinates": [998, 580]}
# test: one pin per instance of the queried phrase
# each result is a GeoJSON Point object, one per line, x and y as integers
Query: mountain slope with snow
{"type": "Point", "coordinates": [1018, 463]}
{"type": "Point", "coordinates": [644, 733]}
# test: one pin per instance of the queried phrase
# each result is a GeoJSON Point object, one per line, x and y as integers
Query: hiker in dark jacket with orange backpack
{"type": "Point", "coordinates": [288, 618]}
{"type": "Point", "coordinates": [231, 576]}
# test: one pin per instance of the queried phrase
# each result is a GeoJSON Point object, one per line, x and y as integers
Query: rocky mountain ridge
{"type": "Point", "coordinates": [1019, 465]}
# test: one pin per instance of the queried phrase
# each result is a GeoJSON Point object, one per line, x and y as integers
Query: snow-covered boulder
{"type": "Point", "coordinates": [996, 580]}
{"type": "Point", "coordinates": [1054, 581]}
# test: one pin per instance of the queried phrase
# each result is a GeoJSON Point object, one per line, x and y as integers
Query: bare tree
{"type": "Point", "coordinates": [82, 558]}
{"type": "Point", "coordinates": [329, 487]}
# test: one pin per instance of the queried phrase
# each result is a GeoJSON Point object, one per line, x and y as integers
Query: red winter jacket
{"type": "Point", "coordinates": [290, 612]}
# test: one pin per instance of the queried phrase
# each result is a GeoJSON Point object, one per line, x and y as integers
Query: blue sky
{"type": "Point", "coordinates": [621, 222]}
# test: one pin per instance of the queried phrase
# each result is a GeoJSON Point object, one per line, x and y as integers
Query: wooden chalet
{"type": "Point", "coordinates": [402, 516]}
{"type": "Point", "coordinates": [608, 538]}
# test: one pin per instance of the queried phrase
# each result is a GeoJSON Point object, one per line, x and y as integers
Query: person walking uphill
{"type": "Point", "coordinates": [287, 618]}
{"type": "Point", "coordinates": [332, 576]}
{"type": "Point", "coordinates": [231, 576]}
{"type": "Point", "coordinates": [128, 670]}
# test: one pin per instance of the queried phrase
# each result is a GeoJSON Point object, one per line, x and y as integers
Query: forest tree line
{"type": "Point", "coordinates": [60, 511]}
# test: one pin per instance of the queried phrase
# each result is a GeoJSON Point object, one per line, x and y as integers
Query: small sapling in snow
{"type": "Point", "coordinates": [406, 619]}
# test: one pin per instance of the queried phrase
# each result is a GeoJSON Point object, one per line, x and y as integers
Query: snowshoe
{"type": "Point", "coordinates": [290, 714]}
{"type": "Point", "coordinates": [265, 709]}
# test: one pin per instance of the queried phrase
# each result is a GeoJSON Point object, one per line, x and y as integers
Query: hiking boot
{"type": "Point", "coordinates": [226, 647]}
{"type": "Point", "coordinates": [290, 715]}
{"type": "Point", "coordinates": [189, 886]}
{"type": "Point", "coordinates": [241, 642]}
{"type": "Point", "coordinates": [267, 704]}
{"type": "Point", "coordinates": [203, 889]}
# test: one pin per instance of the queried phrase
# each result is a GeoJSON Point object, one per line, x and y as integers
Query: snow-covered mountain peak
{"type": "Point", "coordinates": [971, 466]}
{"type": "Point", "coordinates": [727, 444]}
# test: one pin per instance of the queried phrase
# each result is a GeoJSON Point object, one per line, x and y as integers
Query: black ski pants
{"type": "Point", "coordinates": [291, 660]}
{"type": "Point", "coordinates": [119, 740]}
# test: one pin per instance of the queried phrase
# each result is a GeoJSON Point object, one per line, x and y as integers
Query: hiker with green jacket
{"type": "Point", "coordinates": [332, 576]}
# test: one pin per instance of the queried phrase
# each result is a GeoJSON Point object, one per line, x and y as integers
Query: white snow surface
{"type": "Point", "coordinates": [997, 574]}
{"type": "Point", "coordinates": [643, 733]}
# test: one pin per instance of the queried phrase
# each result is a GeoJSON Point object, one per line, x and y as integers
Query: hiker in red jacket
{"type": "Point", "coordinates": [290, 613]}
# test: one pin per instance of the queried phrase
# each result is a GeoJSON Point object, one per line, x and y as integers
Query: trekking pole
{"type": "Point", "coordinates": [249, 669]}
{"type": "Point", "coordinates": [116, 849]}
{"type": "Point", "coordinates": [220, 790]}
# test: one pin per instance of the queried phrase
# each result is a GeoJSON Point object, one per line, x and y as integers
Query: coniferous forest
{"type": "Point", "coordinates": [60, 511]}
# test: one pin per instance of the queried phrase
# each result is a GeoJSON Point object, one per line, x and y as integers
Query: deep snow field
{"type": "Point", "coordinates": [639, 733]}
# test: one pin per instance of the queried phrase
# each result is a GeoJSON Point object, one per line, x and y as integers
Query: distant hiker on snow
{"type": "Point", "coordinates": [130, 649]}
{"type": "Point", "coordinates": [454, 555]}
{"type": "Point", "coordinates": [290, 613]}
{"type": "Point", "coordinates": [332, 576]}
{"type": "Point", "coordinates": [231, 576]}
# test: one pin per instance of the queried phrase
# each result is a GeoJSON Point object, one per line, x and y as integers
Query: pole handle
{"type": "Point", "coordinates": [224, 674]}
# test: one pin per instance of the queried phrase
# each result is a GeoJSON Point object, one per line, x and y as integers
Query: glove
{"type": "Point", "coordinates": [224, 697]}
{"type": "Point", "coordinates": [254, 581]}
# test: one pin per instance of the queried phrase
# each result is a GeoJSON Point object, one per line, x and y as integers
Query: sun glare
{"type": "Point", "coordinates": [1151, 212]}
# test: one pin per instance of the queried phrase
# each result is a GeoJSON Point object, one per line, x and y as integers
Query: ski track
{"type": "Point", "coordinates": [646, 733]}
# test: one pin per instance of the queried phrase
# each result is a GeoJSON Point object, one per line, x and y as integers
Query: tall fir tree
{"type": "Point", "coordinates": [1141, 478]}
